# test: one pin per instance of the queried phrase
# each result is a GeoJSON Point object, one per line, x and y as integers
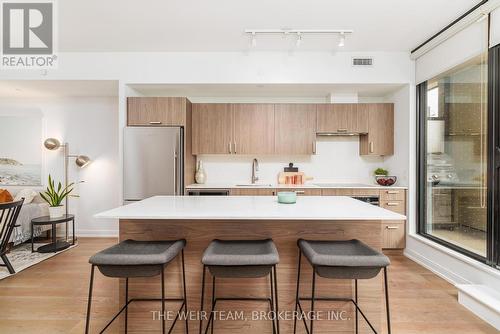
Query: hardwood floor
{"type": "Point", "coordinates": [51, 297]}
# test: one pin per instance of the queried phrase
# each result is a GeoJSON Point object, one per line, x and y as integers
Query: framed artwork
{"type": "Point", "coordinates": [20, 150]}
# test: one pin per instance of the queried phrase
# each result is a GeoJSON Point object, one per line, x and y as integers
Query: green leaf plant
{"type": "Point", "coordinates": [55, 196]}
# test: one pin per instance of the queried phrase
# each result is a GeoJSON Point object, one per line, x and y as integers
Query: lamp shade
{"type": "Point", "coordinates": [52, 144]}
{"type": "Point", "coordinates": [82, 161]}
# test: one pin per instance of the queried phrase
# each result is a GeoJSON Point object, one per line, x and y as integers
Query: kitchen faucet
{"type": "Point", "coordinates": [255, 169]}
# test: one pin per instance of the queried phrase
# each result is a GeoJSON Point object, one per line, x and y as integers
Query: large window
{"type": "Point", "coordinates": [453, 153]}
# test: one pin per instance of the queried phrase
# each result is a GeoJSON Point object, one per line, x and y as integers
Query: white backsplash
{"type": "Point", "coordinates": [337, 159]}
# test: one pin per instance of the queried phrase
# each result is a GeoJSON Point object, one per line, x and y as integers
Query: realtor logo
{"type": "Point", "coordinates": [28, 34]}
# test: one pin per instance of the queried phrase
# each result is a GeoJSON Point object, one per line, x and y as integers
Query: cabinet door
{"type": "Point", "coordinates": [143, 111]}
{"type": "Point", "coordinates": [295, 128]}
{"type": "Point", "coordinates": [302, 191]}
{"type": "Point", "coordinates": [212, 128]}
{"type": "Point", "coordinates": [252, 192]}
{"type": "Point", "coordinates": [337, 118]}
{"type": "Point", "coordinates": [380, 137]}
{"type": "Point", "coordinates": [393, 234]}
{"type": "Point", "coordinates": [253, 128]}
{"type": "Point", "coordinates": [156, 111]}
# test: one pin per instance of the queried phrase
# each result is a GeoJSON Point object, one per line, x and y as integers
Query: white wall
{"type": "Point", "coordinates": [337, 159]}
{"type": "Point", "coordinates": [90, 126]}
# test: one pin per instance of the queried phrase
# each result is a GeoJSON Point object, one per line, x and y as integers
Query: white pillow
{"type": "Point", "coordinates": [28, 195]}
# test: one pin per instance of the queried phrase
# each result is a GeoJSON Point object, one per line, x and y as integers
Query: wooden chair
{"type": "Point", "coordinates": [8, 218]}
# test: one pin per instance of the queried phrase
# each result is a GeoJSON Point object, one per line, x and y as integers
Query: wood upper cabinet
{"type": "Point", "coordinates": [295, 129]}
{"type": "Point", "coordinates": [253, 130]}
{"type": "Point", "coordinates": [156, 111]}
{"type": "Point", "coordinates": [380, 137]}
{"type": "Point", "coordinates": [341, 118]}
{"type": "Point", "coordinates": [212, 128]}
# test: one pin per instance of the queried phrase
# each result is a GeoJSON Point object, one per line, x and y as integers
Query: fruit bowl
{"type": "Point", "coordinates": [386, 181]}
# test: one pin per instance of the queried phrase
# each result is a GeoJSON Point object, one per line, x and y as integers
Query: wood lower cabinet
{"type": "Point", "coordinates": [380, 137]}
{"type": "Point", "coordinates": [252, 192]}
{"type": "Point", "coordinates": [341, 118]}
{"type": "Point", "coordinates": [295, 129]}
{"type": "Point", "coordinates": [253, 128]}
{"type": "Point", "coordinates": [156, 111]}
{"type": "Point", "coordinates": [212, 128]}
{"type": "Point", "coordinates": [302, 191]}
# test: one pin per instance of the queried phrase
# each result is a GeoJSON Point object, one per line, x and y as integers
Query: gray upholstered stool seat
{"type": "Point", "coordinates": [131, 258]}
{"type": "Point", "coordinates": [345, 259]}
{"type": "Point", "coordinates": [240, 258]}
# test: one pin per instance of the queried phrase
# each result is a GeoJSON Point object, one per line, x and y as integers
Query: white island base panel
{"type": "Point", "coordinates": [199, 220]}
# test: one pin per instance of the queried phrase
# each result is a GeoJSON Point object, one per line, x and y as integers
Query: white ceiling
{"type": "Point", "coordinates": [263, 91]}
{"type": "Point", "coordinates": [57, 88]}
{"type": "Point", "coordinates": [217, 25]}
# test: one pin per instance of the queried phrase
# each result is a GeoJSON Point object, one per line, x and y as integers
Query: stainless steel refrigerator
{"type": "Point", "coordinates": [153, 162]}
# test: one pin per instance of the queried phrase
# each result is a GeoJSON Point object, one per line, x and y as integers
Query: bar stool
{"type": "Point", "coordinates": [132, 258]}
{"type": "Point", "coordinates": [241, 259]}
{"type": "Point", "coordinates": [348, 259]}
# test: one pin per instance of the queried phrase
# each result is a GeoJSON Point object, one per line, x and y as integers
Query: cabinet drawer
{"type": "Point", "coordinates": [302, 192]}
{"type": "Point", "coordinates": [393, 234]}
{"type": "Point", "coordinates": [396, 206]}
{"type": "Point", "coordinates": [349, 192]}
{"type": "Point", "coordinates": [392, 195]}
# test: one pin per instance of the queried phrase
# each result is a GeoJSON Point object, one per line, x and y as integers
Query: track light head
{"type": "Point", "coordinates": [299, 39]}
{"type": "Point", "coordinates": [254, 40]}
{"type": "Point", "coordinates": [342, 40]}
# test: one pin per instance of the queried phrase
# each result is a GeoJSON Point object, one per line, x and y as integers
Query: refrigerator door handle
{"type": "Point", "coordinates": [176, 192]}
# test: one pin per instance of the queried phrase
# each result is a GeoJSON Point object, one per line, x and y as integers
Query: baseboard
{"type": "Point", "coordinates": [97, 233]}
{"type": "Point", "coordinates": [482, 301]}
{"type": "Point", "coordinates": [435, 267]}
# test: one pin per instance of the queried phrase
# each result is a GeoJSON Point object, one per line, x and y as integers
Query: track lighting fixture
{"type": "Point", "coordinates": [299, 33]}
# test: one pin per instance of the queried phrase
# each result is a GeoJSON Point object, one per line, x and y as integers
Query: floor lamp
{"type": "Point", "coordinates": [81, 160]}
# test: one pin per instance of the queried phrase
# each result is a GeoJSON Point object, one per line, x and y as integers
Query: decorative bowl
{"type": "Point", "coordinates": [385, 181]}
{"type": "Point", "coordinates": [287, 197]}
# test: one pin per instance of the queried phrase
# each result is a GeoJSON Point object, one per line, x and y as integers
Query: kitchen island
{"type": "Point", "coordinates": [202, 219]}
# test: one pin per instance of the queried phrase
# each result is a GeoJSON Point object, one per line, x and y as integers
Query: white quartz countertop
{"type": "Point", "coordinates": [250, 208]}
{"type": "Point", "coordinates": [318, 185]}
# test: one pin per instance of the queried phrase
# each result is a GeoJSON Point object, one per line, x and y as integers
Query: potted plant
{"type": "Point", "coordinates": [382, 177]}
{"type": "Point", "coordinates": [54, 197]}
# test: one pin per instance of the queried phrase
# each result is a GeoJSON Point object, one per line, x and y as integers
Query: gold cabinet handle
{"type": "Point", "coordinates": [392, 192]}
{"type": "Point", "coordinates": [371, 147]}
{"type": "Point", "coordinates": [155, 122]}
{"type": "Point", "coordinates": [235, 147]}
{"type": "Point", "coordinates": [314, 147]}
{"type": "Point", "coordinates": [341, 130]}
{"type": "Point", "coordinates": [392, 227]}
{"type": "Point", "coordinates": [300, 192]}
{"type": "Point", "coordinates": [230, 150]}
{"type": "Point", "coordinates": [392, 204]}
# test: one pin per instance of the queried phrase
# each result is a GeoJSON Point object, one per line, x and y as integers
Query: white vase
{"type": "Point", "coordinates": [200, 176]}
{"type": "Point", "coordinates": [56, 211]}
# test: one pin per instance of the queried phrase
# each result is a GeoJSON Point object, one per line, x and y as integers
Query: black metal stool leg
{"type": "Point", "coordinates": [185, 294]}
{"type": "Point", "coordinates": [162, 274]}
{"type": "Point", "coordinates": [387, 310]}
{"type": "Point", "coordinates": [276, 298]}
{"type": "Point", "coordinates": [202, 298]}
{"type": "Point", "coordinates": [273, 310]}
{"type": "Point", "coordinates": [297, 295]}
{"type": "Point", "coordinates": [356, 300]}
{"type": "Point", "coordinates": [126, 303]}
{"type": "Point", "coordinates": [312, 300]}
{"type": "Point", "coordinates": [87, 322]}
{"type": "Point", "coordinates": [213, 305]}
